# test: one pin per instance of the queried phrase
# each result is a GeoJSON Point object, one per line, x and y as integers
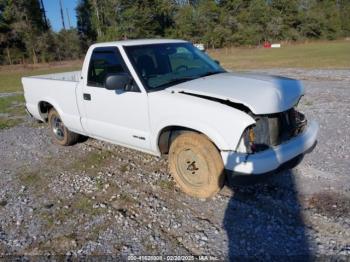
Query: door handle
{"type": "Point", "coordinates": [87, 96]}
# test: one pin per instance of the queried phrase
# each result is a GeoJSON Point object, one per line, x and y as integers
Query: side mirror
{"type": "Point", "coordinates": [217, 61]}
{"type": "Point", "coordinates": [117, 81]}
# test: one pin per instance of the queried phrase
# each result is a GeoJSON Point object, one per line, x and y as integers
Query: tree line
{"type": "Point", "coordinates": [25, 35]}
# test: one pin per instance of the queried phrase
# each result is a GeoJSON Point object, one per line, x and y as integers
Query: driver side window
{"type": "Point", "coordinates": [103, 62]}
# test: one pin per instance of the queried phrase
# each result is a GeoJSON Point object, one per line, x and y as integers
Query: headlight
{"type": "Point", "coordinates": [246, 141]}
{"type": "Point", "coordinates": [271, 130]}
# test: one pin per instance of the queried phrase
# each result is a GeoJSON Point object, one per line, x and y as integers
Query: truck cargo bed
{"type": "Point", "coordinates": [73, 76]}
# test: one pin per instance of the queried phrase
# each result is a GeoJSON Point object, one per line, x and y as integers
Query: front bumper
{"type": "Point", "coordinates": [271, 159]}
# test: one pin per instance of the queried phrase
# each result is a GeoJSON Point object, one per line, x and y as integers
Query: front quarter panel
{"type": "Point", "coordinates": [223, 124]}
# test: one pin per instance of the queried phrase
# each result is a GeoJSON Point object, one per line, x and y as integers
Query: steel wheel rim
{"type": "Point", "coordinates": [57, 128]}
{"type": "Point", "coordinates": [192, 168]}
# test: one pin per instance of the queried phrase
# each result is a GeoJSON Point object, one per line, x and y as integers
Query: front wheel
{"type": "Point", "coordinates": [60, 134]}
{"type": "Point", "coordinates": [196, 165]}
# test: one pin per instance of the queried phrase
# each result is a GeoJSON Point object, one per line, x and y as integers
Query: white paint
{"type": "Point", "coordinates": [262, 94]}
{"type": "Point", "coordinates": [224, 125]}
{"type": "Point", "coordinates": [125, 117]}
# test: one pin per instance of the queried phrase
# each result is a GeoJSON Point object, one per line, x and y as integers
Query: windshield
{"type": "Point", "coordinates": [164, 65]}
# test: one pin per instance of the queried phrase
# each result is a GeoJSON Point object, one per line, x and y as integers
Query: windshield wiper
{"type": "Point", "coordinates": [211, 73]}
{"type": "Point", "coordinates": [177, 80]}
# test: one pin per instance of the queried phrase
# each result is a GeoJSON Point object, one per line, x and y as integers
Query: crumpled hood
{"type": "Point", "coordinates": [262, 94]}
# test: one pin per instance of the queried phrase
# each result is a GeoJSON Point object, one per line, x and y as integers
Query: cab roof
{"type": "Point", "coordinates": [139, 42]}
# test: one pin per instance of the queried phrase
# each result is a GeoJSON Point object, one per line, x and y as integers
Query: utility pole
{"type": "Point", "coordinates": [68, 19]}
{"type": "Point", "coordinates": [62, 16]}
{"type": "Point", "coordinates": [42, 7]}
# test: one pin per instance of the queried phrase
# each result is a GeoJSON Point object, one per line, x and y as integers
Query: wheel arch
{"type": "Point", "coordinates": [168, 133]}
{"type": "Point", "coordinates": [44, 107]}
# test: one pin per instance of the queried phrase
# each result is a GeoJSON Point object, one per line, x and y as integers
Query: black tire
{"type": "Point", "coordinates": [293, 163]}
{"type": "Point", "coordinates": [196, 165]}
{"type": "Point", "coordinates": [60, 134]}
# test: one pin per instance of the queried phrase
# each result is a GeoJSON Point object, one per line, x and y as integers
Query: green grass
{"type": "Point", "coordinates": [32, 179]}
{"type": "Point", "coordinates": [8, 103]}
{"type": "Point", "coordinates": [11, 76]}
{"type": "Point", "coordinates": [166, 184]}
{"type": "Point", "coordinates": [93, 160]}
{"type": "Point", "coordinates": [334, 54]}
{"type": "Point", "coordinates": [11, 111]}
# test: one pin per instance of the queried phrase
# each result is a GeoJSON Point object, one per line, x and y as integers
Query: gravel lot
{"type": "Point", "coordinates": [96, 198]}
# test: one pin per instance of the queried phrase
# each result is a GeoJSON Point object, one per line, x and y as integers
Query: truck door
{"type": "Point", "coordinates": [116, 116]}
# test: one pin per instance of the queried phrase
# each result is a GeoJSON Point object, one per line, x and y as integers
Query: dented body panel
{"type": "Point", "coordinates": [262, 94]}
{"type": "Point", "coordinates": [223, 107]}
{"type": "Point", "coordinates": [213, 119]}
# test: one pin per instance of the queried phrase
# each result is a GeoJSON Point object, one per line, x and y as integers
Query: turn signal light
{"type": "Point", "coordinates": [251, 136]}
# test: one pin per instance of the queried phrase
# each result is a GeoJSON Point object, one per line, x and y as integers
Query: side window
{"type": "Point", "coordinates": [103, 62]}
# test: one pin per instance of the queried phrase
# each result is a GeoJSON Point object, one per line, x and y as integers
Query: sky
{"type": "Point", "coordinates": [52, 8]}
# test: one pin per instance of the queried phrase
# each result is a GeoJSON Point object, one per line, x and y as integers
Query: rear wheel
{"type": "Point", "coordinates": [196, 165]}
{"type": "Point", "coordinates": [60, 134]}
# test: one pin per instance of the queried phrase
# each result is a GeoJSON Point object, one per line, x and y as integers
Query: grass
{"type": "Point", "coordinates": [8, 104]}
{"type": "Point", "coordinates": [8, 123]}
{"type": "Point", "coordinates": [126, 198]}
{"type": "Point", "coordinates": [93, 160]}
{"type": "Point", "coordinates": [334, 54]}
{"type": "Point", "coordinates": [79, 204]}
{"type": "Point", "coordinates": [124, 168]}
{"type": "Point", "coordinates": [32, 179]}
{"type": "Point", "coordinates": [308, 103]}
{"type": "Point", "coordinates": [166, 184]}
{"type": "Point", "coordinates": [11, 75]}
{"type": "Point", "coordinates": [11, 111]}
{"type": "Point", "coordinates": [83, 204]}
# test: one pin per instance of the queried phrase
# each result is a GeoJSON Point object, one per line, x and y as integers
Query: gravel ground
{"type": "Point", "coordinates": [95, 198]}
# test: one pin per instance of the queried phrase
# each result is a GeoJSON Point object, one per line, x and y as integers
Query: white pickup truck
{"type": "Point", "coordinates": [168, 97]}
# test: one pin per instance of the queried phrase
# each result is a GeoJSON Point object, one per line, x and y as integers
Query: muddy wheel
{"type": "Point", "coordinates": [60, 134]}
{"type": "Point", "coordinates": [196, 165]}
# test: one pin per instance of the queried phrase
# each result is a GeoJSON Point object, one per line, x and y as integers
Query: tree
{"type": "Point", "coordinates": [186, 26]}
{"type": "Point", "coordinates": [320, 19]}
{"type": "Point", "coordinates": [344, 6]}
{"type": "Point", "coordinates": [215, 23]}
{"type": "Point", "coordinates": [67, 45]}
{"type": "Point", "coordinates": [286, 13]}
{"type": "Point", "coordinates": [22, 27]}
{"type": "Point", "coordinates": [86, 30]}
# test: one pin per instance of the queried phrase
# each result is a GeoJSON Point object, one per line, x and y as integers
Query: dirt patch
{"type": "Point", "coordinates": [330, 204]}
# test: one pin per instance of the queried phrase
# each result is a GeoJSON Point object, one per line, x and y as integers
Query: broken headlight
{"type": "Point", "coordinates": [271, 130]}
